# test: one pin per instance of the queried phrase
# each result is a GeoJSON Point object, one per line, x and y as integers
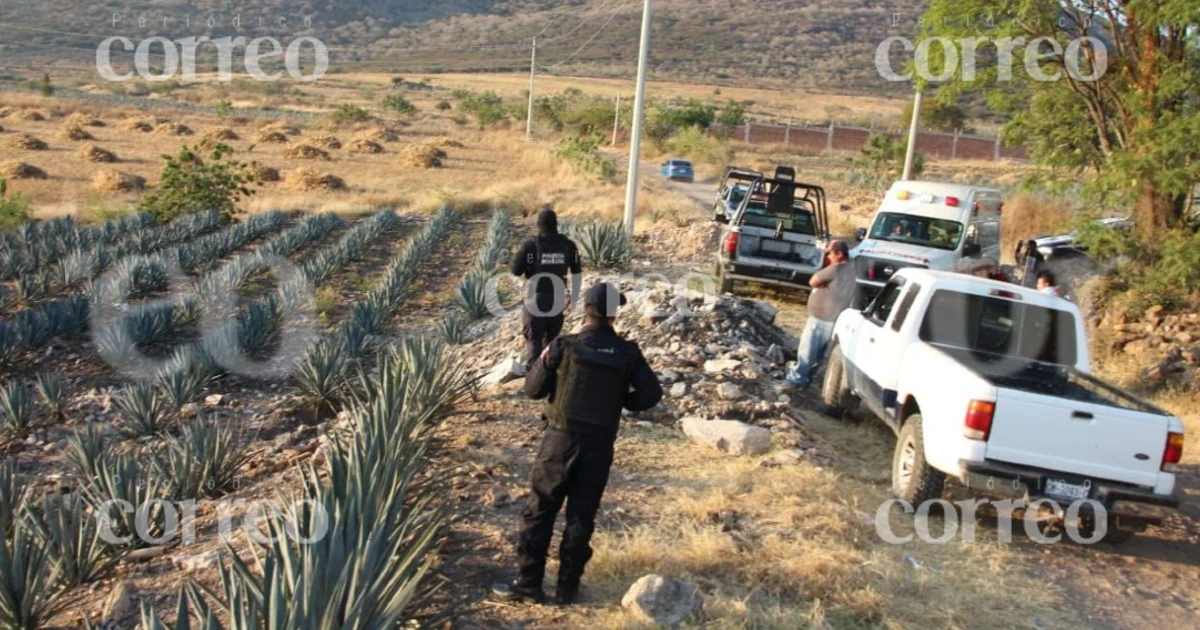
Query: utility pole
{"type": "Point", "coordinates": [639, 107]}
{"type": "Point", "coordinates": [912, 137]}
{"type": "Point", "coordinates": [532, 76]}
{"type": "Point", "coordinates": [617, 121]}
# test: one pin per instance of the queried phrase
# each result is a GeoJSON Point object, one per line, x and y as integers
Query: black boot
{"type": "Point", "coordinates": [517, 591]}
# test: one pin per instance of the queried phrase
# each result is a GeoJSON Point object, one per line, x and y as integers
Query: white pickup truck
{"type": "Point", "coordinates": [989, 383]}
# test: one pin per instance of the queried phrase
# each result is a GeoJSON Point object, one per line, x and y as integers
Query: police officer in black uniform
{"type": "Point", "coordinates": [587, 378]}
{"type": "Point", "coordinates": [546, 257]}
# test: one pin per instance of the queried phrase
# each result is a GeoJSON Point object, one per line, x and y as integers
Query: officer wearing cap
{"type": "Point", "coordinates": [545, 260]}
{"type": "Point", "coordinates": [586, 379]}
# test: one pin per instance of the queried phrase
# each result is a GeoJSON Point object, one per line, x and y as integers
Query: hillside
{"type": "Point", "coordinates": [807, 44]}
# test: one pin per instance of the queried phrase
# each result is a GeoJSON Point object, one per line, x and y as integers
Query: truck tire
{"type": "Point", "coordinates": [835, 387]}
{"type": "Point", "coordinates": [726, 283]}
{"type": "Point", "coordinates": [1115, 534]}
{"type": "Point", "coordinates": [913, 479]}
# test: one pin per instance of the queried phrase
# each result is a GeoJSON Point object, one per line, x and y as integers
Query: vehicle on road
{"type": "Point", "coordinates": [678, 170]}
{"type": "Point", "coordinates": [930, 225]}
{"type": "Point", "coordinates": [735, 183]}
{"type": "Point", "coordinates": [777, 235]}
{"type": "Point", "coordinates": [988, 383]}
{"type": "Point", "coordinates": [1064, 245]}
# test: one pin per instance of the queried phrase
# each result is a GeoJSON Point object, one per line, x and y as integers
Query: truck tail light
{"type": "Point", "coordinates": [731, 243]}
{"type": "Point", "coordinates": [978, 423]}
{"type": "Point", "coordinates": [952, 202]}
{"type": "Point", "coordinates": [1173, 452]}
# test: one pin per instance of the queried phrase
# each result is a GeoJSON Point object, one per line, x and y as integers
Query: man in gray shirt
{"type": "Point", "coordinates": [833, 291]}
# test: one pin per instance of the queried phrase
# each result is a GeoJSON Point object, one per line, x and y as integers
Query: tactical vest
{"type": "Point", "coordinates": [590, 390]}
{"type": "Point", "coordinates": [550, 256]}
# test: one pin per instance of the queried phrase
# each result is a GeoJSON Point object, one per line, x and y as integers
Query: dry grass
{"type": "Point", "coordinates": [1027, 216]}
{"type": "Point", "coordinates": [421, 156]}
{"type": "Point", "coordinates": [172, 129]}
{"type": "Point", "coordinates": [27, 115]}
{"type": "Point", "coordinates": [446, 143]}
{"type": "Point", "coordinates": [360, 145]}
{"type": "Point", "coordinates": [27, 142]}
{"type": "Point", "coordinates": [308, 180]}
{"type": "Point", "coordinates": [290, 130]}
{"type": "Point", "coordinates": [72, 131]}
{"type": "Point", "coordinates": [326, 141]}
{"type": "Point", "coordinates": [109, 181]}
{"type": "Point", "coordinates": [221, 134]}
{"type": "Point", "coordinates": [304, 152]}
{"type": "Point", "coordinates": [264, 173]}
{"type": "Point", "coordinates": [83, 120]}
{"type": "Point", "coordinates": [12, 169]}
{"type": "Point", "coordinates": [92, 153]}
{"type": "Point", "coordinates": [378, 135]}
{"type": "Point", "coordinates": [271, 137]}
{"type": "Point", "coordinates": [137, 125]}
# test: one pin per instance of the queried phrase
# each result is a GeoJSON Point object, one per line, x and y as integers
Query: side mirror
{"type": "Point", "coordinates": [971, 250]}
{"type": "Point", "coordinates": [860, 234]}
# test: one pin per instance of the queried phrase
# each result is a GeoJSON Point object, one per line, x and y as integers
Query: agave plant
{"type": "Point", "coordinates": [85, 451]}
{"type": "Point", "coordinates": [603, 244]}
{"type": "Point", "coordinates": [453, 329]}
{"type": "Point", "coordinates": [10, 343]}
{"type": "Point", "coordinates": [144, 411]}
{"type": "Point", "coordinates": [30, 591]}
{"type": "Point", "coordinates": [54, 395]}
{"type": "Point", "coordinates": [189, 597]}
{"type": "Point", "coordinates": [472, 295]}
{"type": "Point", "coordinates": [72, 537]}
{"type": "Point", "coordinates": [182, 385]}
{"type": "Point", "coordinates": [203, 461]}
{"type": "Point", "coordinates": [13, 491]}
{"type": "Point", "coordinates": [121, 482]}
{"type": "Point", "coordinates": [321, 376]}
{"type": "Point", "coordinates": [18, 406]}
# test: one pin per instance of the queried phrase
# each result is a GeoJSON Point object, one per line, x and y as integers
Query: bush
{"type": "Point", "coordinates": [487, 107]}
{"type": "Point", "coordinates": [224, 108]}
{"type": "Point", "coordinates": [347, 113]}
{"type": "Point", "coordinates": [14, 210]}
{"type": "Point", "coordinates": [882, 162]}
{"type": "Point", "coordinates": [398, 104]}
{"type": "Point", "coordinates": [695, 145]}
{"type": "Point", "coordinates": [190, 184]}
{"type": "Point", "coordinates": [443, 106]}
{"type": "Point", "coordinates": [586, 158]}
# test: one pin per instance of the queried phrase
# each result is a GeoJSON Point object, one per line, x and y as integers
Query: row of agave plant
{"type": "Point", "coordinates": [69, 317]}
{"type": "Point", "coordinates": [322, 373]}
{"type": "Point", "coordinates": [39, 243]}
{"type": "Point", "coordinates": [602, 244]}
{"type": "Point", "coordinates": [472, 294]}
{"type": "Point", "coordinates": [61, 540]}
{"type": "Point", "coordinates": [381, 513]}
{"type": "Point", "coordinates": [151, 407]}
{"type": "Point", "coordinates": [85, 263]}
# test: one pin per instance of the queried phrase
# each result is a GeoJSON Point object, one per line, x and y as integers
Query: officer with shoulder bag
{"type": "Point", "coordinates": [586, 379]}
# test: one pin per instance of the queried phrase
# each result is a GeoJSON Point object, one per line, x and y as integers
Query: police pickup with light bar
{"type": "Point", "coordinates": [988, 383]}
{"type": "Point", "coordinates": [931, 225]}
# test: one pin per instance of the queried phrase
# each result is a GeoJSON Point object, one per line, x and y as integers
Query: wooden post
{"type": "Point", "coordinates": [954, 147]}
{"type": "Point", "coordinates": [787, 133]}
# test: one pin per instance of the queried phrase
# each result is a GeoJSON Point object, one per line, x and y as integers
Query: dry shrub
{"type": "Point", "coordinates": [379, 135]}
{"type": "Point", "coordinates": [361, 145]}
{"type": "Point", "coordinates": [114, 181]}
{"type": "Point", "coordinates": [29, 143]}
{"type": "Point", "coordinates": [172, 129]}
{"type": "Point", "coordinates": [421, 156]}
{"type": "Point", "coordinates": [446, 143]}
{"type": "Point", "coordinates": [1028, 216]}
{"type": "Point", "coordinates": [137, 125]}
{"type": "Point", "coordinates": [92, 153]}
{"type": "Point", "coordinates": [221, 134]}
{"type": "Point", "coordinates": [264, 173]}
{"type": "Point", "coordinates": [304, 152]}
{"type": "Point", "coordinates": [1, 128]}
{"type": "Point", "coordinates": [27, 115]}
{"type": "Point", "coordinates": [12, 169]}
{"type": "Point", "coordinates": [6, 112]}
{"type": "Point", "coordinates": [271, 137]}
{"type": "Point", "coordinates": [75, 132]}
{"type": "Point", "coordinates": [307, 180]}
{"type": "Point", "coordinates": [326, 142]}
{"type": "Point", "coordinates": [83, 120]}
{"type": "Point", "coordinates": [283, 128]}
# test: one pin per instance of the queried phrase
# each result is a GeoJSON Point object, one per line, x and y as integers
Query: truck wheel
{"type": "Point", "coordinates": [835, 388]}
{"type": "Point", "coordinates": [726, 283]}
{"type": "Point", "coordinates": [913, 479]}
{"type": "Point", "coordinates": [1115, 534]}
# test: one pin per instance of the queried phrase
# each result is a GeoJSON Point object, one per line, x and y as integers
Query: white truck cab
{"type": "Point", "coordinates": [930, 225]}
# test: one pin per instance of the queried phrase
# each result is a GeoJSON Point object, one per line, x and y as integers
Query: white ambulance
{"type": "Point", "coordinates": [929, 225]}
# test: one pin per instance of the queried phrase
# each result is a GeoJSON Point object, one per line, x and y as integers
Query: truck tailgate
{"type": "Point", "coordinates": [792, 250]}
{"type": "Point", "coordinates": [1089, 439]}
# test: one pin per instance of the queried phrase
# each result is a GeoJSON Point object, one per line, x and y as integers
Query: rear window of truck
{"type": "Point", "coordinates": [997, 326]}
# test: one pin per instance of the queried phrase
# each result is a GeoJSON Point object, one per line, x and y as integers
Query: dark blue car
{"type": "Point", "coordinates": [680, 170]}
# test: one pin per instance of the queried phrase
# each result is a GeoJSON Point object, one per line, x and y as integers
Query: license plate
{"type": "Point", "coordinates": [1064, 490]}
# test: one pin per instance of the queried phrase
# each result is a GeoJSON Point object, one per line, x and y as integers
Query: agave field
{"type": "Point", "coordinates": [117, 343]}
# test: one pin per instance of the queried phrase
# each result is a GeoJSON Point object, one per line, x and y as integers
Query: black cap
{"type": "Point", "coordinates": [604, 298]}
{"type": "Point", "coordinates": [547, 221]}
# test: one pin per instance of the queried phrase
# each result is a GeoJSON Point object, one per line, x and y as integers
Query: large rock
{"type": "Point", "coordinates": [721, 366]}
{"type": "Point", "coordinates": [504, 371]}
{"type": "Point", "coordinates": [729, 436]}
{"type": "Point", "coordinates": [729, 391]}
{"type": "Point", "coordinates": [679, 390]}
{"type": "Point", "coordinates": [663, 601]}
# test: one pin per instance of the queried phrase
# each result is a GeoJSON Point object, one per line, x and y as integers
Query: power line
{"type": "Point", "coordinates": [593, 13]}
{"type": "Point", "coordinates": [593, 37]}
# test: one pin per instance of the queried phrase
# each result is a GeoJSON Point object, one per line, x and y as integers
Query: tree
{"type": "Point", "coordinates": [190, 183]}
{"type": "Point", "coordinates": [939, 116]}
{"type": "Point", "coordinates": [45, 87]}
{"type": "Point", "coordinates": [731, 116]}
{"type": "Point", "coordinates": [1123, 104]}
{"type": "Point", "coordinates": [882, 161]}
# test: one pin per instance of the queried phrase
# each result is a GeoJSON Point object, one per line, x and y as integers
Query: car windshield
{"type": "Point", "coordinates": [681, 163]}
{"type": "Point", "coordinates": [737, 193]}
{"type": "Point", "coordinates": [798, 221]}
{"type": "Point", "coordinates": [917, 230]}
{"type": "Point", "coordinates": [998, 326]}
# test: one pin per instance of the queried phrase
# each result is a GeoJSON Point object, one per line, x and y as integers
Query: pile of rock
{"type": "Point", "coordinates": [1169, 344]}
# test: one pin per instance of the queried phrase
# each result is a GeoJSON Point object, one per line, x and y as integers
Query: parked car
{"type": "Point", "coordinates": [1064, 245]}
{"type": "Point", "coordinates": [988, 383]}
{"type": "Point", "coordinates": [734, 185]}
{"type": "Point", "coordinates": [678, 170]}
{"type": "Point", "coordinates": [777, 235]}
{"type": "Point", "coordinates": [931, 225]}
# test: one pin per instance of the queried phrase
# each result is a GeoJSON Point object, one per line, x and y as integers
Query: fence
{"type": "Point", "coordinates": [831, 138]}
